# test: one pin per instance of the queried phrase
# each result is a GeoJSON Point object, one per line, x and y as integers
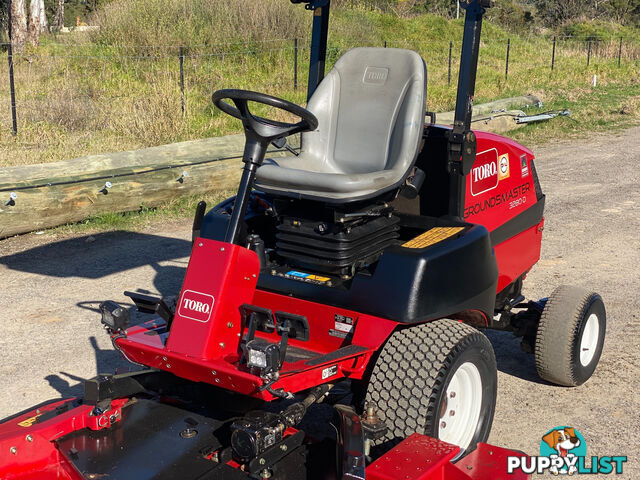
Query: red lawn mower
{"type": "Point", "coordinates": [359, 272]}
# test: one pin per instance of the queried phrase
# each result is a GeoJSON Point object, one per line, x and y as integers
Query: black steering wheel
{"type": "Point", "coordinates": [265, 129]}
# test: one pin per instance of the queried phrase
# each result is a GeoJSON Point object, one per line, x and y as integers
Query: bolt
{"type": "Point", "coordinates": [230, 324]}
{"type": "Point", "coordinates": [222, 345]}
{"type": "Point", "coordinates": [452, 413]}
{"type": "Point", "coordinates": [13, 196]}
{"type": "Point", "coordinates": [200, 244]}
{"type": "Point", "coordinates": [164, 358]}
{"type": "Point", "coordinates": [262, 461]}
{"type": "Point", "coordinates": [222, 249]}
{"type": "Point", "coordinates": [265, 473]}
{"type": "Point", "coordinates": [217, 380]}
{"type": "Point", "coordinates": [469, 467]}
{"type": "Point", "coordinates": [213, 372]}
{"type": "Point", "coordinates": [283, 448]}
{"type": "Point", "coordinates": [13, 450]}
{"type": "Point", "coordinates": [29, 438]}
{"type": "Point", "coordinates": [253, 275]}
{"type": "Point", "coordinates": [452, 395]}
{"type": "Point", "coordinates": [443, 424]}
{"type": "Point", "coordinates": [112, 418]}
{"type": "Point", "coordinates": [168, 365]}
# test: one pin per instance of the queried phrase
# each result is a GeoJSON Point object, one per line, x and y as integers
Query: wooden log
{"type": "Point", "coordinates": [53, 194]}
{"type": "Point", "coordinates": [483, 112]}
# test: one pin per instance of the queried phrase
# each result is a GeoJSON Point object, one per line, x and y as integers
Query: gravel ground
{"type": "Point", "coordinates": [51, 286]}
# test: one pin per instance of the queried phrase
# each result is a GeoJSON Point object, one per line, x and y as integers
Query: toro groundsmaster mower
{"type": "Point", "coordinates": [359, 272]}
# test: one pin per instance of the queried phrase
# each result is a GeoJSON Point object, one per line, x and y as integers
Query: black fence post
{"type": "Point", "coordinates": [11, 84]}
{"type": "Point", "coordinates": [450, 49]}
{"type": "Point", "coordinates": [295, 64]}
{"type": "Point", "coordinates": [553, 54]}
{"type": "Point", "coordinates": [182, 78]}
{"type": "Point", "coordinates": [385, 44]}
{"type": "Point", "coordinates": [588, 52]}
{"type": "Point", "coordinates": [12, 87]}
{"type": "Point", "coordinates": [506, 68]}
{"type": "Point", "coordinates": [620, 51]}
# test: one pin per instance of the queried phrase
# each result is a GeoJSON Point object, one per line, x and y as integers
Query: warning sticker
{"type": "Point", "coordinates": [503, 166]}
{"type": "Point", "coordinates": [329, 372]}
{"type": "Point", "coordinates": [318, 278]}
{"type": "Point", "coordinates": [431, 237]}
{"type": "Point", "coordinates": [29, 421]}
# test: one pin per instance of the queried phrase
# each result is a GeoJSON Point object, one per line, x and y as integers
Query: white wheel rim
{"type": "Point", "coordinates": [589, 340]}
{"type": "Point", "coordinates": [459, 421]}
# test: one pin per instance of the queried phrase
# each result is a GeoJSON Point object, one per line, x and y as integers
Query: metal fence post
{"type": "Point", "coordinates": [588, 52]}
{"type": "Point", "coordinates": [12, 88]}
{"type": "Point", "coordinates": [182, 78]}
{"type": "Point", "coordinates": [553, 54]}
{"type": "Point", "coordinates": [620, 51]}
{"type": "Point", "coordinates": [506, 68]}
{"type": "Point", "coordinates": [449, 76]}
{"type": "Point", "coordinates": [385, 44]}
{"type": "Point", "coordinates": [295, 64]}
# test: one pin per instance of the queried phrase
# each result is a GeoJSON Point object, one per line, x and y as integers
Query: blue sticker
{"type": "Point", "coordinates": [293, 273]}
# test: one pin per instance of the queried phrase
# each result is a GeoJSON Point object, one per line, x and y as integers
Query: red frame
{"type": "Point", "coordinates": [416, 458]}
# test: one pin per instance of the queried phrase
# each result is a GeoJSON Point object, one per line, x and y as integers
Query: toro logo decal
{"type": "Point", "coordinates": [196, 306]}
{"type": "Point", "coordinates": [484, 174]}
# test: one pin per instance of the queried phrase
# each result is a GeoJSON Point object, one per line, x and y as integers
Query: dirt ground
{"type": "Point", "coordinates": [51, 285]}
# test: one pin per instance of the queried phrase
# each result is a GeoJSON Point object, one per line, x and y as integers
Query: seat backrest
{"type": "Point", "coordinates": [371, 107]}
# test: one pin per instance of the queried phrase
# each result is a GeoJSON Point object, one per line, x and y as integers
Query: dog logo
{"type": "Point", "coordinates": [565, 443]}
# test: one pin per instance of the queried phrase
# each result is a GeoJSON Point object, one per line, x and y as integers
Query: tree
{"type": "Point", "coordinates": [58, 21]}
{"type": "Point", "coordinates": [34, 23]}
{"type": "Point", "coordinates": [18, 26]}
{"type": "Point", "coordinates": [44, 24]}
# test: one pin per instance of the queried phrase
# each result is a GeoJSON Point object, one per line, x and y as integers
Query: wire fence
{"type": "Point", "coordinates": [150, 90]}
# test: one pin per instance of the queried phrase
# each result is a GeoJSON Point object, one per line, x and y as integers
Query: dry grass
{"type": "Point", "coordinates": [77, 99]}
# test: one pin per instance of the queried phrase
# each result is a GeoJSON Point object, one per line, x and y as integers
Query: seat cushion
{"type": "Point", "coordinates": [370, 109]}
{"type": "Point", "coordinates": [304, 177]}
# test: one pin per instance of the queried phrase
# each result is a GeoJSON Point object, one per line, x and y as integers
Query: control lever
{"type": "Point", "coordinates": [282, 143]}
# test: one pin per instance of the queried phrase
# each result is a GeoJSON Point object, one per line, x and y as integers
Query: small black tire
{"type": "Point", "coordinates": [413, 372]}
{"type": "Point", "coordinates": [570, 336]}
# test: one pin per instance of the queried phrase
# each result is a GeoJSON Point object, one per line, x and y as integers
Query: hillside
{"type": "Point", "coordinates": [119, 88]}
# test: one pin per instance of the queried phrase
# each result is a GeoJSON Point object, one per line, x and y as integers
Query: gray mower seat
{"type": "Point", "coordinates": [371, 109]}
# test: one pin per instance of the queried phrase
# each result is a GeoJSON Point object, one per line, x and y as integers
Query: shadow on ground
{"type": "Point", "coordinates": [97, 256]}
{"type": "Point", "coordinates": [107, 361]}
{"type": "Point", "coordinates": [511, 359]}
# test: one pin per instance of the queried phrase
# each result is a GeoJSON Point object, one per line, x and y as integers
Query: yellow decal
{"type": "Point", "coordinates": [318, 278]}
{"type": "Point", "coordinates": [29, 421]}
{"type": "Point", "coordinates": [431, 237]}
{"type": "Point", "coordinates": [503, 166]}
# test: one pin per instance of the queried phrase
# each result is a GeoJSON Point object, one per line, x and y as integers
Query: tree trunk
{"type": "Point", "coordinates": [58, 22]}
{"type": "Point", "coordinates": [18, 26]}
{"type": "Point", "coordinates": [44, 23]}
{"type": "Point", "coordinates": [34, 23]}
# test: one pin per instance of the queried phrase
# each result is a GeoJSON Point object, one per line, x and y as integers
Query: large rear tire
{"type": "Point", "coordinates": [570, 336]}
{"type": "Point", "coordinates": [437, 379]}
